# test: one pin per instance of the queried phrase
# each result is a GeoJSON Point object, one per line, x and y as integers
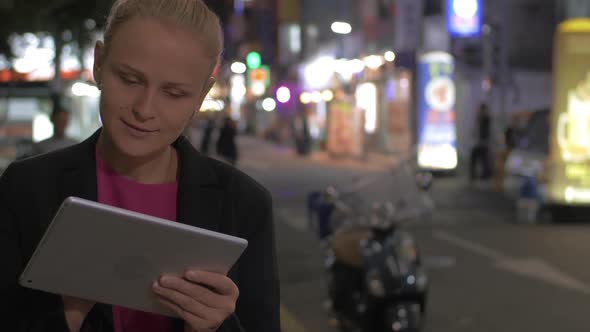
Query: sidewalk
{"type": "Point", "coordinates": [457, 200]}
{"type": "Point", "coordinates": [372, 163]}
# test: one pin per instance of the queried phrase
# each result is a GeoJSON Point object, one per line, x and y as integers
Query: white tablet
{"type": "Point", "coordinates": [110, 255]}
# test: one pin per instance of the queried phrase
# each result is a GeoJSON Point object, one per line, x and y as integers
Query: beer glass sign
{"type": "Point", "coordinates": [568, 171]}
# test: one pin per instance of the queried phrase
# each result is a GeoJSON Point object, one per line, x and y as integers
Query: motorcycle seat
{"type": "Point", "coordinates": [346, 245]}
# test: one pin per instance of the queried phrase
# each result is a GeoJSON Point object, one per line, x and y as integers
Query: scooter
{"type": "Point", "coordinates": [376, 280]}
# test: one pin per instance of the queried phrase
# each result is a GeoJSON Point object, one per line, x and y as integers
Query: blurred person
{"type": "Point", "coordinates": [510, 141]}
{"type": "Point", "coordinates": [60, 119]}
{"type": "Point", "coordinates": [480, 154]}
{"type": "Point", "coordinates": [154, 69]}
{"type": "Point", "coordinates": [226, 141]}
{"type": "Point", "coordinates": [511, 133]}
{"type": "Point", "coordinates": [207, 134]}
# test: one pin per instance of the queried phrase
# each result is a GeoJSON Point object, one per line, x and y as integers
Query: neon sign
{"type": "Point", "coordinates": [464, 17]}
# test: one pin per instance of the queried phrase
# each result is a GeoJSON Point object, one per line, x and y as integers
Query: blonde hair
{"type": "Point", "coordinates": [191, 14]}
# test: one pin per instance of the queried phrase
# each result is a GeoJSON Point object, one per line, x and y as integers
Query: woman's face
{"type": "Point", "coordinates": [154, 77]}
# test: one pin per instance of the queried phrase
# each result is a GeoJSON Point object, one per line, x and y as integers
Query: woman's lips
{"type": "Point", "coordinates": [137, 131]}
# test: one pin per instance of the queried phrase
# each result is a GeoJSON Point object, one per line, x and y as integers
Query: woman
{"type": "Point", "coordinates": [154, 69]}
{"type": "Point", "coordinates": [480, 152]}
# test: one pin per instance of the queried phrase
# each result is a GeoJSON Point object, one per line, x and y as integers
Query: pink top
{"type": "Point", "coordinates": [158, 200]}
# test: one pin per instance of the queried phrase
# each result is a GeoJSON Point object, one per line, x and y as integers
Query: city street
{"type": "Point", "coordinates": [487, 272]}
{"type": "Point", "coordinates": [493, 95]}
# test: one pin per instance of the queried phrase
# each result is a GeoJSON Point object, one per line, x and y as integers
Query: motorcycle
{"type": "Point", "coordinates": [376, 279]}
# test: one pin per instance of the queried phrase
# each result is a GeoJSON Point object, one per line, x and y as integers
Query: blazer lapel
{"type": "Point", "coordinates": [199, 201]}
{"type": "Point", "coordinates": [78, 175]}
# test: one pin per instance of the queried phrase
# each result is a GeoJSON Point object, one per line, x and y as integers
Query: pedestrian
{"type": "Point", "coordinates": [207, 133]}
{"type": "Point", "coordinates": [154, 69]}
{"type": "Point", "coordinates": [226, 142]}
{"type": "Point", "coordinates": [510, 142]}
{"type": "Point", "coordinates": [480, 153]}
{"type": "Point", "coordinates": [60, 118]}
{"type": "Point", "coordinates": [511, 134]}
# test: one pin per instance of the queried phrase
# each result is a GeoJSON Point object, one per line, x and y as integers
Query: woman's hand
{"type": "Point", "coordinates": [204, 300]}
{"type": "Point", "coordinates": [76, 310]}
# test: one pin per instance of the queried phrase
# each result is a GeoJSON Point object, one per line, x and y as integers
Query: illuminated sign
{"type": "Point", "coordinates": [464, 17]}
{"type": "Point", "coordinates": [436, 112]}
{"type": "Point", "coordinates": [261, 74]}
{"type": "Point", "coordinates": [345, 131]}
{"type": "Point", "coordinates": [569, 156]}
{"type": "Point", "coordinates": [253, 60]}
{"type": "Point", "coordinates": [366, 99]}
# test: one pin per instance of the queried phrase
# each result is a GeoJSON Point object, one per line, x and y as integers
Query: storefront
{"type": "Point", "coordinates": [569, 156]}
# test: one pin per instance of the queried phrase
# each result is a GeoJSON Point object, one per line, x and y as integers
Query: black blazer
{"type": "Point", "coordinates": [211, 195]}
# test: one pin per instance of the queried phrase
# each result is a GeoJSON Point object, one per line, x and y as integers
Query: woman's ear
{"type": "Point", "coordinates": [99, 52]}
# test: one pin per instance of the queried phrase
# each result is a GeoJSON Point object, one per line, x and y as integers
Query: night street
{"type": "Point", "coordinates": [428, 162]}
{"type": "Point", "coordinates": [487, 273]}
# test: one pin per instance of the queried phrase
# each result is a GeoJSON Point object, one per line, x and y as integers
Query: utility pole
{"type": "Point", "coordinates": [503, 61]}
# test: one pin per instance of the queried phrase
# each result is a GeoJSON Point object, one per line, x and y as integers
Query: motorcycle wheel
{"type": "Point", "coordinates": [403, 317]}
{"type": "Point", "coordinates": [346, 325]}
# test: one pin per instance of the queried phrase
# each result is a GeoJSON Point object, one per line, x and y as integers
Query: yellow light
{"type": "Point", "coordinates": [575, 25]}
{"type": "Point", "coordinates": [328, 95]}
{"type": "Point", "coordinates": [305, 98]}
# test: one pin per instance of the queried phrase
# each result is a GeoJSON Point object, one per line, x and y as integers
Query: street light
{"type": "Point", "coordinates": [373, 61]}
{"type": "Point", "coordinates": [316, 97]}
{"type": "Point", "coordinates": [269, 104]}
{"type": "Point", "coordinates": [327, 95]}
{"type": "Point", "coordinates": [283, 95]}
{"type": "Point", "coordinates": [238, 68]}
{"type": "Point", "coordinates": [389, 56]}
{"type": "Point", "coordinates": [305, 98]}
{"type": "Point", "coordinates": [342, 28]}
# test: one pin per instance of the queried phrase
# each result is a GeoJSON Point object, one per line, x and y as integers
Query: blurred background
{"type": "Point", "coordinates": [492, 97]}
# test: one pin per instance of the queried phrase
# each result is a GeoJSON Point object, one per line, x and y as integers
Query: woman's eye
{"type": "Point", "coordinates": [129, 80]}
{"type": "Point", "coordinates": [175, 94]}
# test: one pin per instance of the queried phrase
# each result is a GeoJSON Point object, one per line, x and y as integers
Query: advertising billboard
{"type": "Point", "coordinates": [436, 97]}
{"type": "Point", "coordinates": [569, 155]}
{"type": "Point", "coordinates": [464, 17]}
{"type": "Point", "coordinates": [345, 130]}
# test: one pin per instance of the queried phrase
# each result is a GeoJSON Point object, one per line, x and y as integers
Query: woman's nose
{"type": "Point", "coordinates": [145, 104]}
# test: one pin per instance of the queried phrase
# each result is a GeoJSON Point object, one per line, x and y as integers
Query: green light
{"type": "Point", "coordinates": [253, 60]}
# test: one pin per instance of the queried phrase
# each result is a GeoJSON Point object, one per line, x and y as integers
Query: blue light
{"type": "Point", "coordinates": [466, 9]}
{"type": "Point", "coordinates": [464, 17]}
{"type": "Point", "coordinates": [238, 7]}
